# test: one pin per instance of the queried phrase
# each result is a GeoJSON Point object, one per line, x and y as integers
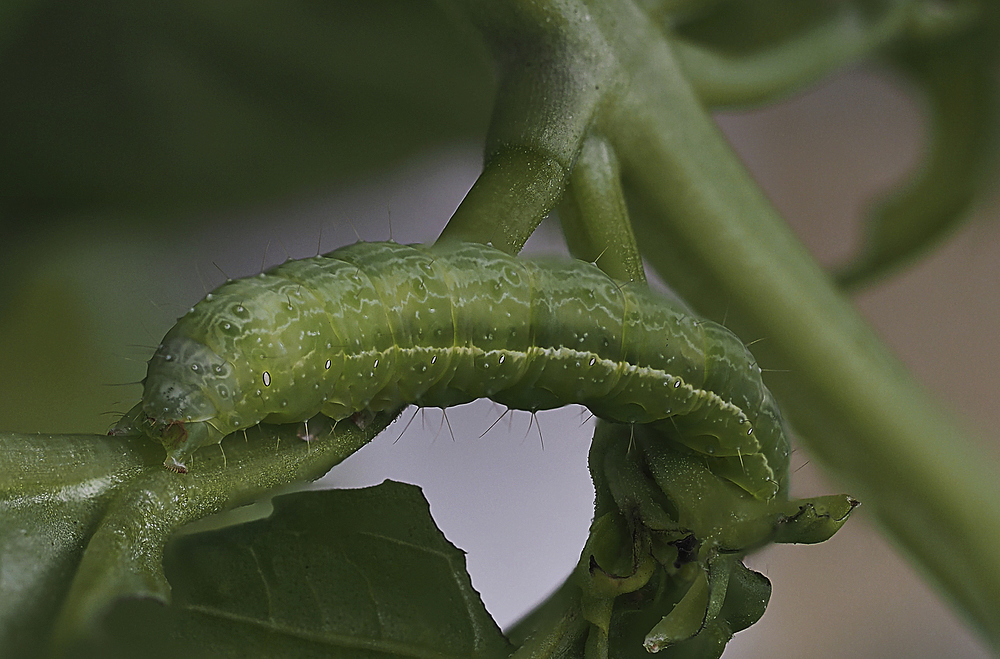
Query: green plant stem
{"type": "Point", "coordinates": [555, 69]}
{"type": "Point", "coordinates": [709, 228]}
{"type": "Point", "coordinates": [515, 192]}
{"type": "Point", "coordinates": [721, 80]}
{"type": "Point", "coordinates": [594, 217]}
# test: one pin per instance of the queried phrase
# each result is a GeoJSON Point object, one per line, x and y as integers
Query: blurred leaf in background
{"type": "Point", "coordinates": [123, 125]}
{"type": "Point", "coordinates": [169, 106]}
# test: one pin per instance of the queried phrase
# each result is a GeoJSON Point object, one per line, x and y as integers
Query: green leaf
{"type": "Point", "coordinates": [345, 573]}
{"type": "Point", "coordinates": [54, 490]}
{"type": "Point", "coordinates": [85, 518]}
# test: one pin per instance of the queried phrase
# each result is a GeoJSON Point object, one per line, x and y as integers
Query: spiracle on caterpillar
{"type": "Point", "coordinates": [373, 326]}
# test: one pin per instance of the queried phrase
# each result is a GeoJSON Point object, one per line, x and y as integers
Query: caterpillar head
{"type": "Point", "coordinates": [187, 393]}
{"type": "Point", "coordinates": [179, 438]}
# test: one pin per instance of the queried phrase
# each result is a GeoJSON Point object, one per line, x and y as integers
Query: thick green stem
{"type": "Point", "coordinates": [594, 216]}
{"type": "Point", "coordinates": [515, 192]}
{"type": "Point", "coordinates": [710, 229]}
{"type": "Point", "coordinates": [555, 68]}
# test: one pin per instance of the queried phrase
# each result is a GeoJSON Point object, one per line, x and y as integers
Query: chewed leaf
{"type": "Point", "coordinates": [360, 572]}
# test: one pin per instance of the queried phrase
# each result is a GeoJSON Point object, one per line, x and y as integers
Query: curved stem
{"type": "Point", "coordinates": [961, 154]}
{"type": "Point", "coordinates": [722, 81]}
{"type": "Point", "coordinates": [515, 192]}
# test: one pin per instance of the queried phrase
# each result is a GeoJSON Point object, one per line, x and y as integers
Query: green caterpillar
{"type": "Point", "coordinates": [373, 326]}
